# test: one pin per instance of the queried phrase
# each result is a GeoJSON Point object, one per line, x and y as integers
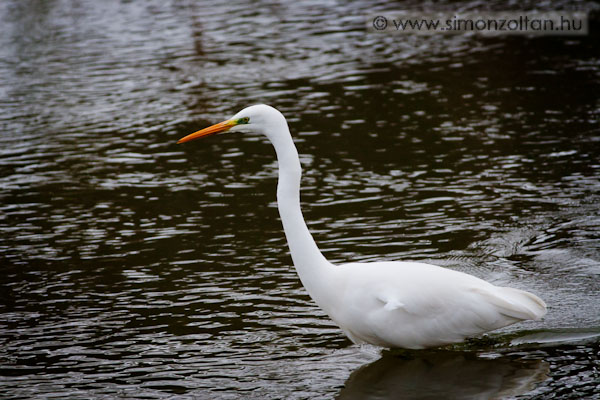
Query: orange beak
{"type": "Point", "coordinates": [211, 130]}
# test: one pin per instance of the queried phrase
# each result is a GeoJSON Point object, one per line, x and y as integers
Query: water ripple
{"type": "Point", "coordinates": [133, 267]}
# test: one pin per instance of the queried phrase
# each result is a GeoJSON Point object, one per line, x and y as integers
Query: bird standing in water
{"type": "Point", "coordinates": [390, 304]}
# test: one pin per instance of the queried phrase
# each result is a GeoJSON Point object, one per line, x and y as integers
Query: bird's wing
{"type": "Point", "coordinates": [472, 310]}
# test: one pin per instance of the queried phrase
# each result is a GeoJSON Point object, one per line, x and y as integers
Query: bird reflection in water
{"type": "Point", "coordinates": [443, 375]}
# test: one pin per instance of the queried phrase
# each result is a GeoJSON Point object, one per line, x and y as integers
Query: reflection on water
{"type": "Point", "coordinates": [133, 267]}
{"type": "Point", "coordinates": [436, 375]}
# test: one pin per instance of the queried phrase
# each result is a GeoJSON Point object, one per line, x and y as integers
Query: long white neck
{"type": "Point", "coordinates": [314, 270]}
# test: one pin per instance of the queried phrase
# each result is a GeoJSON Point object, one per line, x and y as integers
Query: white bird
{"type": "Point", "coordinates": [389, 304]}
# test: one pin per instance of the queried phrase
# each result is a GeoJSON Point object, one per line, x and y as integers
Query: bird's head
{"type": "Point", "coordinates": [260, 118]}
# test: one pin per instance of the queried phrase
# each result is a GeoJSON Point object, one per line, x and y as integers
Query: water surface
{"type": "Point", "coordinates": [133, 267]}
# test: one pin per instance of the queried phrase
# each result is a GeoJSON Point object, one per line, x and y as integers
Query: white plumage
{"type": "Point", "coordinates": [389, 304]}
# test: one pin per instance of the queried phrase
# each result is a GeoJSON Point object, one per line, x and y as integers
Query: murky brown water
{"type": "Point", "coordinates": [133, 267]}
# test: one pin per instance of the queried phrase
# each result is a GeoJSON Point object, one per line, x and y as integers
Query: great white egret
{"type": "Point", "coordinates": [390, 304]}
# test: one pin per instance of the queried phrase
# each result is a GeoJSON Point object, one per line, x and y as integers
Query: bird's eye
{"type": "Point", "coordinates": [244, 120]}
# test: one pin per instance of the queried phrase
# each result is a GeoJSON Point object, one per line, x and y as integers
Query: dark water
{"type": "Point", "coordinates": [136, 268]}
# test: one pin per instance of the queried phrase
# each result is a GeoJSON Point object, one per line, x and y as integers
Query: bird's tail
{"type": "Point", "coordinates": [517, 304]}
